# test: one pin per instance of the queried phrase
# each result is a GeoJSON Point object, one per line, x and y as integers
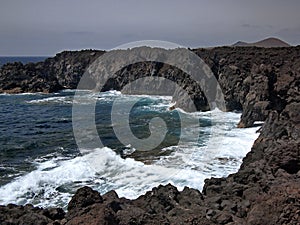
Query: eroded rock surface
{"type": "Point", "coordinates": [253, 80]}
{"type": "Point", "coordinates": [265, 84]}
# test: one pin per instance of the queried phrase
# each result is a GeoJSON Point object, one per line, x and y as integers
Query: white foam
{"type": "Point", "coordinates": [127, 176]}
{"type": "Point", "coordinates": [64, 100]}
{"type": "Point", "coordinates": [167, 98]}
{"type": "Point", "coordinates": [70, 90]}
{"type": "Point", "coordinates": [26, 93]}
{"type": "Point", "coordinates": [220, 153]}
{"type": "Point", "coordinates": [87, 96]}
{"type": "Point", "coordinates": [104, 170]}
{"type": "Point", "coordinates": [111, 93]}
{"type": "Point", "coordinates": [42, 183]}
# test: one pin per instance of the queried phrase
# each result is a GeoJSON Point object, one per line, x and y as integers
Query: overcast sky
{"type": "Point", "coordinates": [40, 27]}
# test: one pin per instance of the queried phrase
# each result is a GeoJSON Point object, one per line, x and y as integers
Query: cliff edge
{"type": "Point", "coordinates": [265, 84]}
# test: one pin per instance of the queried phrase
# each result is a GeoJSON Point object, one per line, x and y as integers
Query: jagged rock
{"type": "Point", "coordinates": [83, 198]}
{"type": "Point", "coordinates": [161, 205]}
{"type": "Point", "coordinates": [253, 80]}
{"type": "Point", "coordinates": [29, 215]}
{"type": "Point", "coordinates": [54, 74]}
{"type": "Point", "coordinates": [265, 83]}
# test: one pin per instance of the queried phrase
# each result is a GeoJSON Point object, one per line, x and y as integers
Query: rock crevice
{"type": "Point", "coordinates": [265, 84]}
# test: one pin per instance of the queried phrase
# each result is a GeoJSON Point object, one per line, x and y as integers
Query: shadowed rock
{"type": "Point", "coordinates": [264, 83]}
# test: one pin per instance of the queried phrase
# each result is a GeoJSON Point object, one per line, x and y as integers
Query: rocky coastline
{"type": "Point", "coordinates": [263, 83]}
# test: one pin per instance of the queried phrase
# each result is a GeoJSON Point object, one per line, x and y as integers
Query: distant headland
{"type": "Point", "coordinates": [270, 42]}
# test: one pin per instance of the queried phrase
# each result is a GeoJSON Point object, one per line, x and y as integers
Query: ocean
{"type": "Point", "coordinates": [22, 59]}
{"type": "Point", "coordinates": [41, 164]}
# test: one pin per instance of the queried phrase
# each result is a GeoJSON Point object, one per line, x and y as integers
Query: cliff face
{"type": "Point", "coordinates": [54, 74]}
{"type": "Point", "coordinates": [265, 84]}
{"type": "Point", "coordinates": [253, 80]}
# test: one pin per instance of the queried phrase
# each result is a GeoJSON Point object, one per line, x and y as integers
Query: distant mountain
{"type": "Point", "coordinates": [266, 43]}
{"type": "Point", "coordinates": [241, 43]}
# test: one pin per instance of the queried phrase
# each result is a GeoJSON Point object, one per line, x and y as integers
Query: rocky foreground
{"type": "Point", "coordinates": [263, 83]}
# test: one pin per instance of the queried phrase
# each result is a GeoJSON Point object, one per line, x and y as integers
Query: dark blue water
{"type": "Point", "coordinates": [36, 125]}
{"type": "Point", "coordinates": [22, 59]}
{"type": "Point", "coordinates": [29, 131]}
{"type": "Point", "coordinates": [40, 162]}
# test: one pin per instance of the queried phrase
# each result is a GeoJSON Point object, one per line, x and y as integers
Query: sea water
{"type": "Point", "coordinates": [41, 164]}
{"type": "Point", "coordinates": [22, 59]}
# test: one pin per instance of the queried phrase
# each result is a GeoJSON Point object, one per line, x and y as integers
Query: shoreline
{"type": "Point", "coordinates": [265, 190]}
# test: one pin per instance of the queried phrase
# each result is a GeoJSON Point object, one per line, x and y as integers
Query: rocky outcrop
{"type": "Point", "coordinates": [145, 70]}
{"type": "Point", "coordinates": [269, 178]}
{"type": "Point", "coordinates": [253, 80]}
{"type": "Point", "coordinates": [30, 215]}
{"type": "Point", "coordinates": [54, 74]}
{"type": "Point", "coordinates": [265, 84]}
{"type": "Point", "coordinates": [162, 205]}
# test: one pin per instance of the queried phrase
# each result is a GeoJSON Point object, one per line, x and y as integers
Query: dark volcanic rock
{"type": "Point", "coordinates": [88, 207]}
{"type": "Point", "coordinates": [265, 84]}
{"type": "Point", "coordinates": [29, 215]}
{"type": "Point", "coordinates": [253, 80]}
{"type": "Point", "coordinates": [142, 71]}
{"type": "Point", "coordinates": [162, 205]}
{"type": "Point", "coordinates": [54, 74]}
{"type": "Point", "coordinates": [84, 197]}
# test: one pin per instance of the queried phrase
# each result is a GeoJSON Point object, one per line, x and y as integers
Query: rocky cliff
{"type": "Point", "coordinates": [265, 84]}
{"type": "Point", "coordinates": [253, 80]}
{"type": "Point", "coordinates": [54, 74]}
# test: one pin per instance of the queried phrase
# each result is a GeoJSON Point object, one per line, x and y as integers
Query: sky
{"type": "Point", "coordinates": [45, 27]}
